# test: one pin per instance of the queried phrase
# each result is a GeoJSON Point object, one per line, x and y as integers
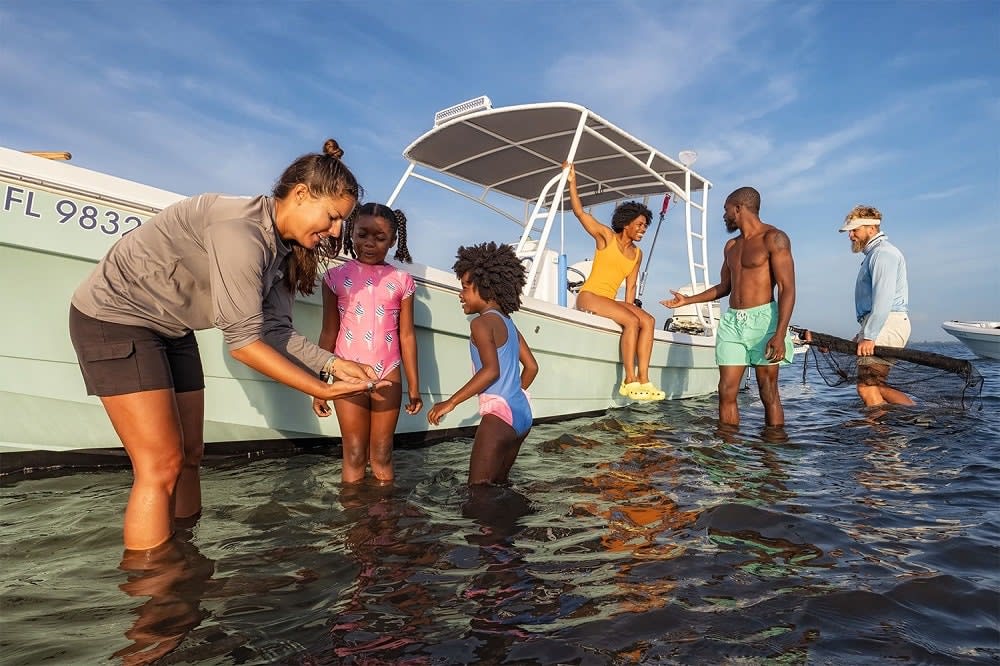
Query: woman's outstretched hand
{"type": "Point", "coordinates": [345, 388]}
{"type": "Point", "coordinates": [344, 369]}
{"type": "Point", "coordinates": [677, 301]}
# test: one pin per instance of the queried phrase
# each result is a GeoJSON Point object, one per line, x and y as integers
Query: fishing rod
{"type": "Point", "coordinates": [649, 257]}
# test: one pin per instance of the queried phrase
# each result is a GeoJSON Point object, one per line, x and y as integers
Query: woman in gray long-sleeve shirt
{"type": "Point", "coordinates": [233, 263]}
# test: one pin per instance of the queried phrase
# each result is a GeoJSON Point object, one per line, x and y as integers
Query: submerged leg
{"type": "Point", "coordinates": [191, 407]}
{"type": "Point", "coordinates": [355, 416]}
{"type": "Point", "coordinates": [384, 417]}
{"type": "Point", "coordinates": [510, 457]}
{"type": "Point", "coordinates": [149, 426]}
{"type": "Point", "coordinates": [493, 451]}
{"type": "Point", "coordinates": [730, 379]}
{"type": "Point", "coordinates": [895, 396]}
{"type": "Point", "coordinates": [874, 390]}
{"type": "Point", "coordinates": [767, 385]}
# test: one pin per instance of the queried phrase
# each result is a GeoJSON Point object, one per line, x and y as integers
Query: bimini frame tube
{"type": "Point", "coordinates": [399, 185]}
{"type": "Point", "coordinates": [454, 190]}
{"type": "Point", "coordinates": [695, 266]}
{"type": "Point", "coordinates": [550, 215]}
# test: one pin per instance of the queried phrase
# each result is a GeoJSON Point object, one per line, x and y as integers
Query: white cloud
{"type": "Point", "coordinates": [943, 194]}
{"type": "Point", "coordinates": [655, 60]}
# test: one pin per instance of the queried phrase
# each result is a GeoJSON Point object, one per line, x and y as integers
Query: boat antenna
{"type": "Point", "coordinates": [687, 158]}
{"type": "Point", "coordinates": [649, 257]}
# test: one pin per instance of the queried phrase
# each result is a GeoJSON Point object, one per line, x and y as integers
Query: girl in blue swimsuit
{"type": "Point", "coordinates": [492, 278]}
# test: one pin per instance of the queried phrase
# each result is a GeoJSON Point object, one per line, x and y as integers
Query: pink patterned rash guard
{"type": "Point", "coordinates": [369, 299]}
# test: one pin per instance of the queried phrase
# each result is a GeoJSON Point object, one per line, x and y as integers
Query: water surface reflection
{"type": "Point", "coordinates": [644, 536]}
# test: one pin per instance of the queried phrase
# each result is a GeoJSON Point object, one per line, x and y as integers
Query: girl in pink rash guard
{"type": "Point", "coordinates": [368, 314]}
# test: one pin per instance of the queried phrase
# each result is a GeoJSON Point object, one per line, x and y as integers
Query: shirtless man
{"type": "Point", "coordinates": [754, 330]}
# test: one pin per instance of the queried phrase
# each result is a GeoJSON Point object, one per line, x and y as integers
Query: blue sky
{"type": "Point", "coordinates": [819, 105]}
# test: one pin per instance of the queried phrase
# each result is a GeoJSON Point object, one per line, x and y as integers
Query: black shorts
{"type": "Point", "coordinates": [116, 359]}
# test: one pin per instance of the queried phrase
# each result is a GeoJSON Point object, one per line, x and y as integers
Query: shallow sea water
{"type": "Point", "coordinates": [642, 536]}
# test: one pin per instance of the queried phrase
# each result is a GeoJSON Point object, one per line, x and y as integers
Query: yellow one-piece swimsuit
{"type": "Point", "coordinates": [610, 268]}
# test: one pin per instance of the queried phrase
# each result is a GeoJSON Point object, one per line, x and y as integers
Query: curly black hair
{"type": "Point", "coordinates": [627, 212]}
{"type": "Point", "coordinates": [495, 271]}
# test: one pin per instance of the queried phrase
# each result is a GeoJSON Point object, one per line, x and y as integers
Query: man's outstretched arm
{"type": "Point", "coordinates": [713, 293]}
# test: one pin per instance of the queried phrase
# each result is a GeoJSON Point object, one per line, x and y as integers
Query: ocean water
{"type": "Point", "coordinates": [642, 536]}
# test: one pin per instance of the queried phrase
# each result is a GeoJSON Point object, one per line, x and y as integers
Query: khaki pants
{"type": "Point", "coordinates": [895, 333]}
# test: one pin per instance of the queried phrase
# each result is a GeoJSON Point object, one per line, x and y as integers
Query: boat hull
{"type": "Point", "coordinates": [982, 337]}
{"type": "Point", "coordinates": [58, 220]}
{"type": "Point", "coordinates": [41, 385]}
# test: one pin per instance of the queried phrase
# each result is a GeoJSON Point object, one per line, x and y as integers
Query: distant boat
{"type": "Point", "coordinates": [981, 337]}
{"type": "Point", "coordinates": [57, 220]}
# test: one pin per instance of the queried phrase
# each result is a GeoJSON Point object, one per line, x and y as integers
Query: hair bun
{"type": "Point", "coordinates": [331, 147]}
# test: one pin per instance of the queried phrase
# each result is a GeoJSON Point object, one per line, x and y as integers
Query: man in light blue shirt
{"type": "Point", "coordinates": [880, 301]}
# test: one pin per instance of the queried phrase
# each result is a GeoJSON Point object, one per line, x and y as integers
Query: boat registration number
{"type": "Point", "coordinates": [38, 205]}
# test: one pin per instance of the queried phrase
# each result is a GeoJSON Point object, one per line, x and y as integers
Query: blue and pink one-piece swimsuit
{"type": "Point", "coordinates": [505, 398]}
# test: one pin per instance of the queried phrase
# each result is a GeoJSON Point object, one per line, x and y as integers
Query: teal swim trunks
{"type": "Point", "coordinates": [743, 336]}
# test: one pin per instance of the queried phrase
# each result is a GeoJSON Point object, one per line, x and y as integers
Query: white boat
{"type": "Point", "coordinates": [57, 220]}
{"type": "Point", "coordinates": [981, 337]}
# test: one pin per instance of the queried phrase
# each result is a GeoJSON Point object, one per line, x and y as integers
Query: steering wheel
{"type": "Point", "coordinates": [574, 286]}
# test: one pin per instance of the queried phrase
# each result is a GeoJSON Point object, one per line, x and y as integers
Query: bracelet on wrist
{"type": "Point", "coordinates": [326, 374]}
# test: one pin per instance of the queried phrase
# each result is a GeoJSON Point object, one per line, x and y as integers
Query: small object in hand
{"type": "Point", "coordinates": [371, 386]}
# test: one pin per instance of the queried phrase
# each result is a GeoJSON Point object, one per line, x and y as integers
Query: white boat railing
{"type": "Point", "coordinates": [545, 209]}
{"type": "Point", "coordinates": [698, 240]}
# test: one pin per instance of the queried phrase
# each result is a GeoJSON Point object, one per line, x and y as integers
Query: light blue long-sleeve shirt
{"type": "Point", "coordinates": [881, 287]}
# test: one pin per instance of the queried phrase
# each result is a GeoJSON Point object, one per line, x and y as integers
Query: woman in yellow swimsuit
{"type": "Point", "coordinates": [617, 258]}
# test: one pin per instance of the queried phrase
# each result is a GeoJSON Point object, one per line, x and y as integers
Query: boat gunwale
{"type": "Point", "coordinates": [84, 181]}
{"type": "Point", "coordinates": [977, 326]}
{"type": "Point", "coordinates": [557, 312]}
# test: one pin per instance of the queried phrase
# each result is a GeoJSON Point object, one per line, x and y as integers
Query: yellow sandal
{"type": "Point", "coordinates": [646, 392]}
{"type": "Point", "coordinates": [626, 389]}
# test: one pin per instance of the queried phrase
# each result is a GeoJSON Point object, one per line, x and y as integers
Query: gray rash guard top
{"type": "Point", "coordinates": [208, 261]}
